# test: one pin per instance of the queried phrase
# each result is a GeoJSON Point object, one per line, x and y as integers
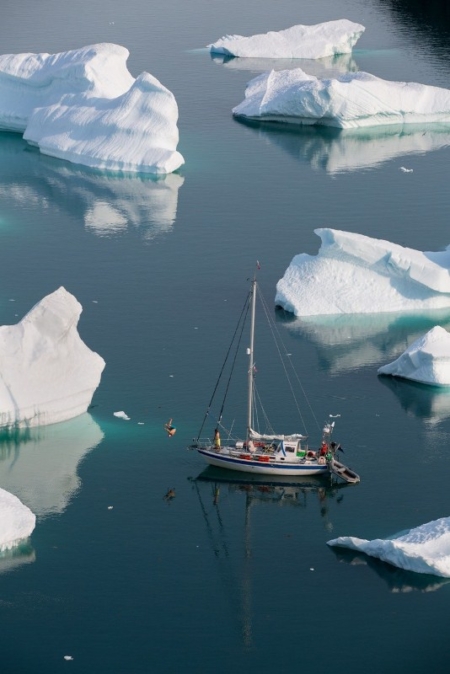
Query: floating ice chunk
{"type": "Point", "coordinates": [47, 373]}
{"type": "Point", "coordinates": [122, 415]}
{"type": "Point", "coordinates": [425, 549]}
{"type": "Point", "coordinates": [349, 101]}
{"type": "Point", "coordinates": [354, 273]}
{"type": "Point", "coordinates": [68, 657]}
{"type": "Point", "coordinates": [406, 170]}
{"type": "Point", "coordinates": [84, 106]}
{"type": "Point", "coordinates": [16, 521]}
{"type": "Point", "coordinates": [301, 42]}
{"type": "Point", "coordinates": [427, 360]}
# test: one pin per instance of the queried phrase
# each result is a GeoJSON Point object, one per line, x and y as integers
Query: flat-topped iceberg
{"type": "Point", "coordinates": [84, 106]}
{"type": "Point", "coordinates": [425, 549]}
{"type": "Point", "coordinates": [346, 102]}
{"type": "Point", "coordinates": [17, 522]}
{"type": "Point", "coordinates": [356, 274]}
{"type": "Point", "coordinates": [300, 42]}
{"type": "Point", "coordinates": [427, 360]}
{"type": "Point", "coordinates": [47, 373]}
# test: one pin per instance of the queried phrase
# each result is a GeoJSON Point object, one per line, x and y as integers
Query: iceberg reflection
{"type": "Point", "coordinates": [39, 465]}
{"type": "Point", "coordinates": [420, 400]}
{"type": "Point", "coordinates": [17, 556]}
{"type": "Point", "coordinates": [348, 342]}
{"type": "Point", "coordinates": [397, 580]}
{"type": "Point", "coordinates": [108, 203]}
{"type": "Point", "coordinates": [340, 151]}
{"type": "Point", "coordinates": [329, 66]}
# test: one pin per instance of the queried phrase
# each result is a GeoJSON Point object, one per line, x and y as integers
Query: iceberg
{"type": "Point", "coordinates": [85, 107]}
{"type": "Point", "coordinates": [17, 522]}
{"type": "Point", "coordinates": [427, 360]}
{"type": "Point", "coordinates": [300, 42]}
{"type": "Point", "coordinates": [350, 101]}
{"type": "Point", "coordinates": [47, 373]}
{"type": "Point", "coordinates": [425, 549]}
{"type": "Point", "coordinates": [357, 274]}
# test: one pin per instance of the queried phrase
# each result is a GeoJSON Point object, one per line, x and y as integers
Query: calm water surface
{"type": "Point", "coordinates": [226, 575]}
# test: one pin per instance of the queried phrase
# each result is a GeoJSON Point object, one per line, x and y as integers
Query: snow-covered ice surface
{"type": "Point", "coordinates": [427, 360]}
{"type": "Point", "coordinates": [40, 465]}
{"type": "Point", "coordinates": [354, 273]}
{"type": "Point", "coordinates": [16, 521]}
{"type": "Point", "coordinates": [425, 549]}
{"type": "Point", "coordinates": [84, 106]}
{"type": "Point", "coordinates": [349, 101]}
{"type": "Point", "coordinates": [47, 373]}
{"type": "Point", "coordinates": [300, 42]}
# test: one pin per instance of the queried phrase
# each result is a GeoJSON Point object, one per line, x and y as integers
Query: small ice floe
{"type": "Point", "coordinates": [122, 415]}
{"type": "Point", "coordinates": [171, 375]}
{"type": "Point", "coordinates": [425, 549]}
{"type": "Point", "coordinates": [427, 360]}
{"type": "Point", "coordinates": [406, 170]}
{"type": "Point", "coordinates": [12, 300]}
{"type": "Point", "coordinates": [68, 657]}
{"type": "Point", "coordinates": [140, 423]}
{"type": "Point", "coordinates": [94, 301]}
{"type": "Point", "coordinates": [110, 507]}
{"type": "Point", "coordinates": [311, 568]}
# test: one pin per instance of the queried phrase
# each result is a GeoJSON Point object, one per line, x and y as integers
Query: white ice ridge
{"type": "Point", "coordinates": [301, 42]}
{"type": "Point", "coordinates": [425, 549]}
{"type": "Point", "coordinates": [84, 106]}
{"type": "Point", "coordinates": [356, 274]}
{"type": "Point", "coordinates": [47, 373]}
{"type": "Point", "coordinates": [16, 521]}
{"type": "Point", "coordinates": [346, 102]}
{"type": "Point", "coordinates": [427, 360]}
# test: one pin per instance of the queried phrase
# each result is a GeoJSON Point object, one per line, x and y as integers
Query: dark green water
{"type": "Point", "coordinates": [225, 576]}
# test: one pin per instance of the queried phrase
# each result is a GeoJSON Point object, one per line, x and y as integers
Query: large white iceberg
{"type": "Point", "coordinates": [300, 42]}
{"type": "Point", "coordinates": [84, 106]}
{"type": "Point", "coordinates": [425, 549]}
{"type": "Point", "coordinates": [349, 101]}
{"type": "Point", "coordinates": [47, 373]}
{"type": "Point", "coordinates": [427, 360]}
{"type": "Point", "coordinates": [16, 521]}
{"type": "Point", "coordinates": [354, 273]}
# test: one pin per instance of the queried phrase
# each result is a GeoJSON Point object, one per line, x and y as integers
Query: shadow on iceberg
{"type": "Point", "coordinates": [345, 150]}
{"type": "Point", "coordinates": [39, 465]}
{"type": "Point", "coordinates": [108, 203]}
{"type": "Point", "coordinates": [397, 580]}
{"type": "Point", "coordinates": [329, 66]}
{"type": "Point", "coordinates": [348, 342]}
{"type": "Point", "coordinates": [431, 403]}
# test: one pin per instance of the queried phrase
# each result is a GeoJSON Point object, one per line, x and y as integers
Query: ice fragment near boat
{"type": "Point", "coordinates": [425, 549]}
{"type": "Point", "coordinates": [16, 521]}
{"type": "Point", "coordinates": [299, 42]}
{"type": "Point", "coordinates": [427, 360]}
{"type": "Point", "coordinates": [47, 373]}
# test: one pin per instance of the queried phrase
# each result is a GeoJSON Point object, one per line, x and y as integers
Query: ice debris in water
{"type": "Point", "coordinates": [122, 415]}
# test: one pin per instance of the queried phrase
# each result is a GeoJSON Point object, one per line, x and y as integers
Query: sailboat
{"type": "Point", "coordinates": [269, 453]}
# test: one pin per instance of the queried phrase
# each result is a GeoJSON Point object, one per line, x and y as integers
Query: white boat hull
{"type": "Point", "coordinates": [262, 468]}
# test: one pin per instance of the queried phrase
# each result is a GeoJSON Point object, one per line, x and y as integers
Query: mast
{"type": "Point", "coordinates": [251, 361]}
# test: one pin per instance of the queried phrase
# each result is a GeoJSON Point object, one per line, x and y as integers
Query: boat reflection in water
{"type": "Point", "coordinates": [398, 580]}
{"type": "Point", "coordinates": [214, 487]}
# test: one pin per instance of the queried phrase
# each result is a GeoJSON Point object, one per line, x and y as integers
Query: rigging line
{"type": "Point", "coordinates": [235, 356]}
{"type": "Point", "coordinates": [266, 418]}
{"type": "Point", "coordinates": [277, 346]}
{"type": "Point", "coordinates": [274, 326]}
{"type": "Point", "coordinates": [244, 309]}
